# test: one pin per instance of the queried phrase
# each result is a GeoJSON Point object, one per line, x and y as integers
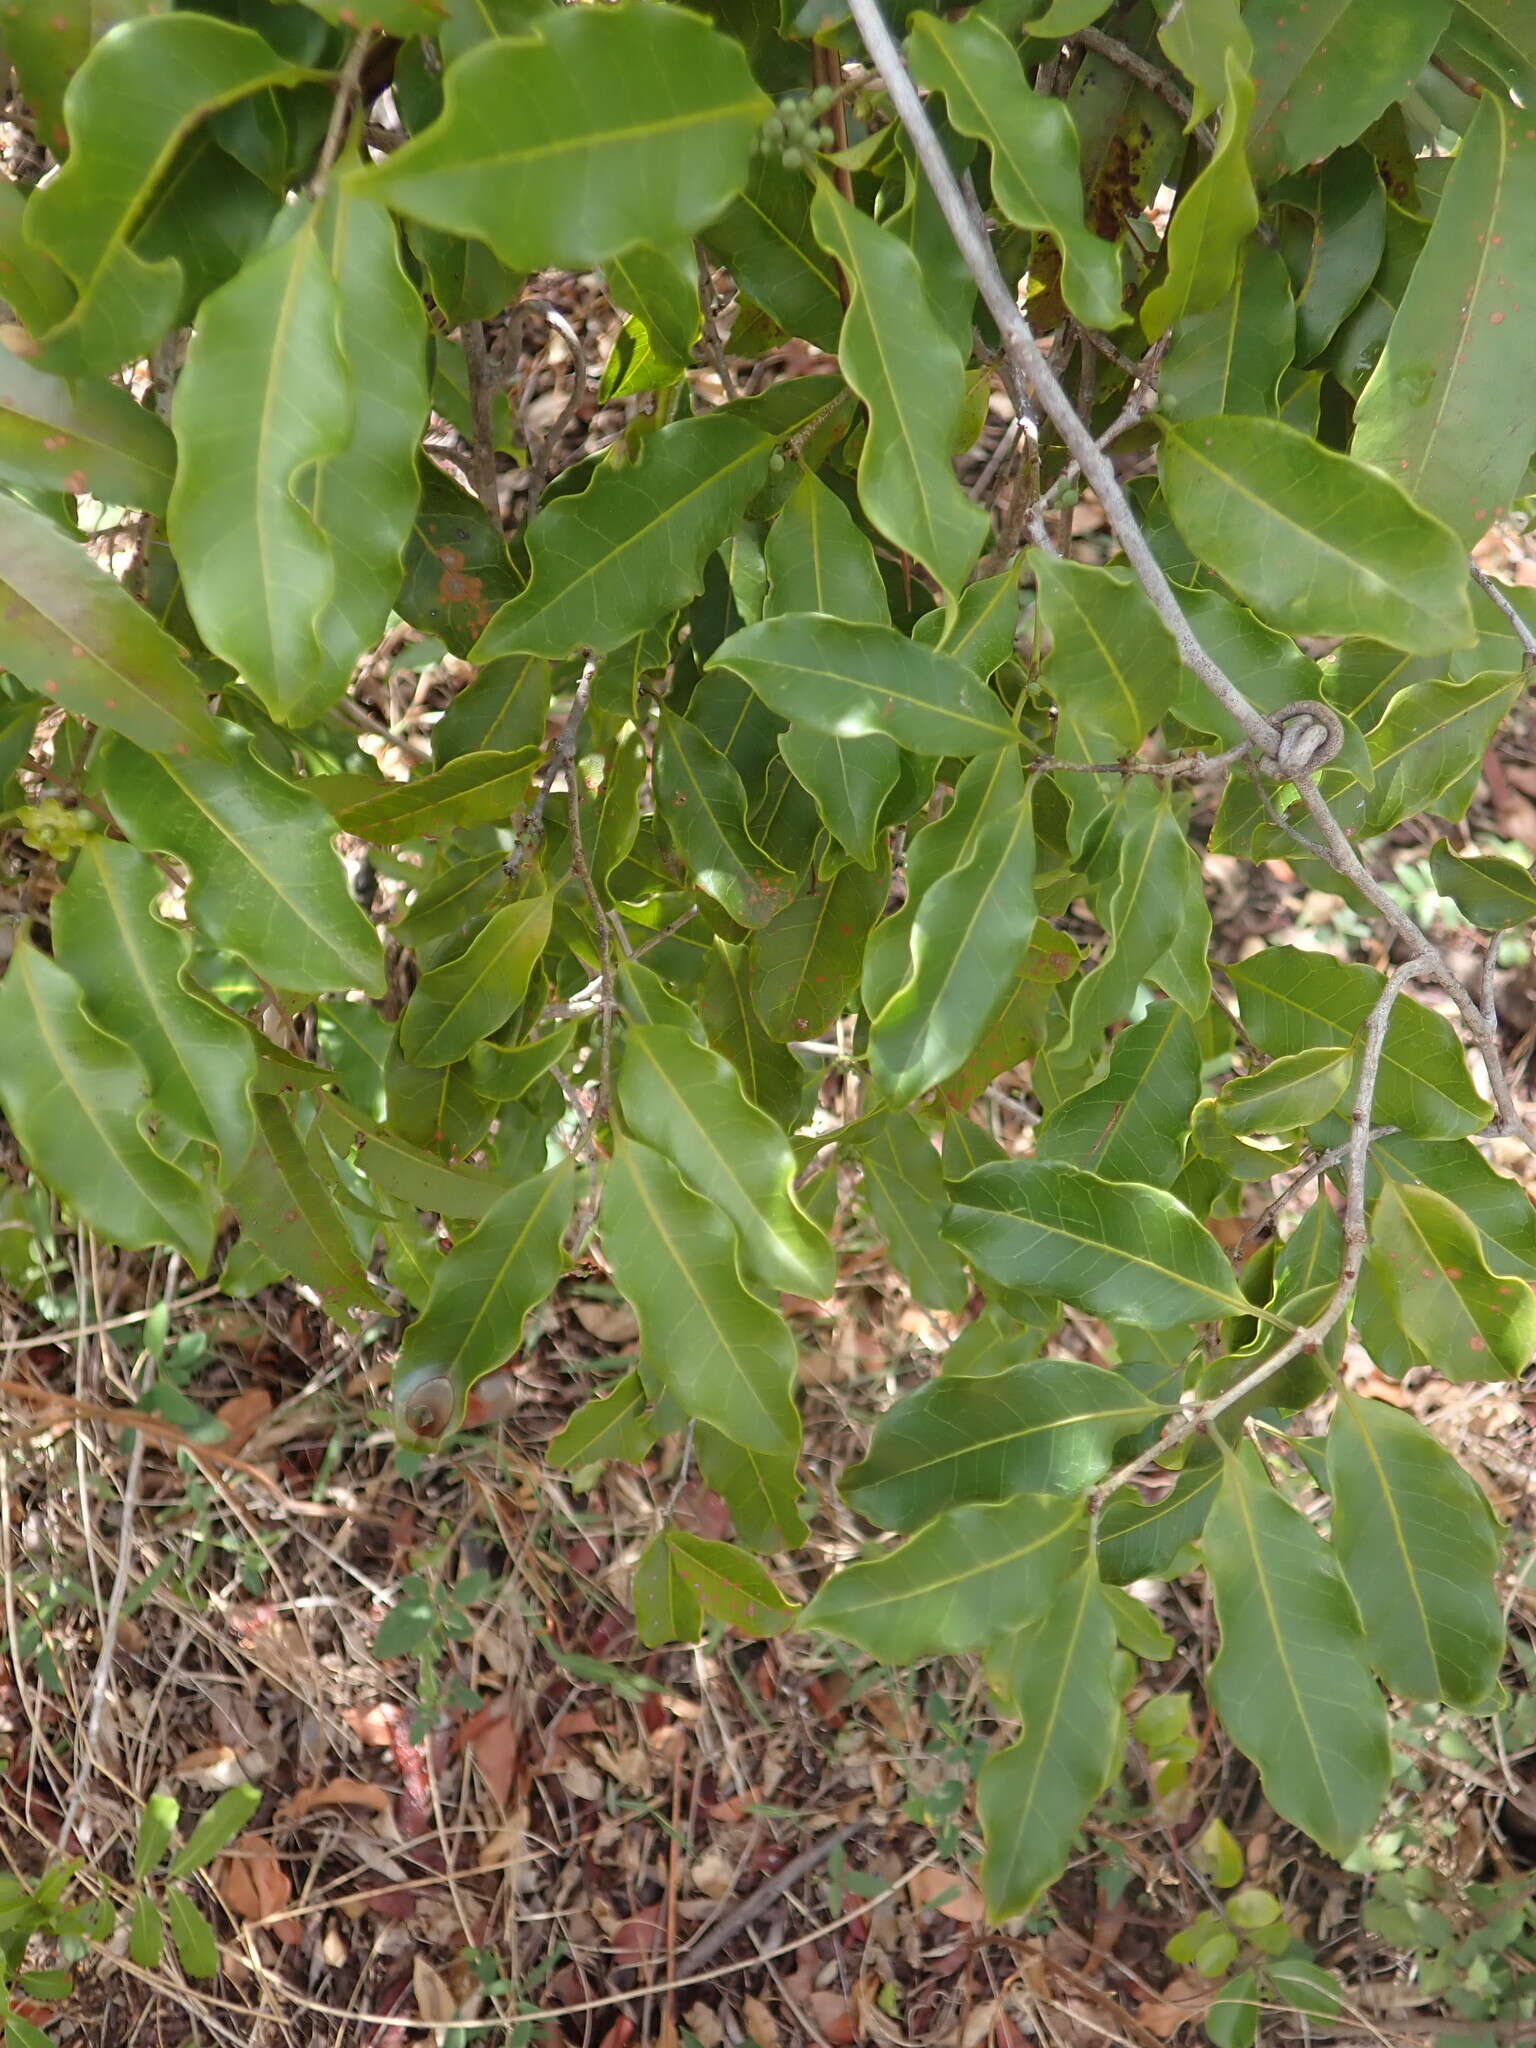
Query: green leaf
{"type": "Point", "coordinates": [1113, 668]}
{"type": "Point", "coordinates": [1419, 1547]}
{"type": "Point", "coordinates": [504, 710]}
{"type": "Point", "coordinates": [1197, 36]}
{"type": "Point", "coordinates": [1035, 174]}
{"type": "Point", "coordinates": [765, 237]}
{"type": "Point", "coordinates": [81, 436]}
{"type": "Point", "coordinates": [1290, 1680]}
{"type": "Point", "coordinates": [805, 961]}
{"type": "Point", "coordinates": [1046, 1427]}
{"type": "Point", "coordinates": [761, 1490]}
{"type": "Point", "coordinates": [132, 969]}
{"type": "Point", "coordinates": [1315, 541]}
{"type": "Point", "coordinates": [285, 1197]}
{"type": "Point", "coordinates": [630, 548]}
{"type": "Point", "coordinates": [1323, 77]}
{"type": "Point", "coordinates": [1136, 1628]}
{"type": "Point", "coordinates": [631, 123]}
{"type": "Point", "coordinates": [146, 1936]}
{"type": "Point", "coordinates": [1464, 1316]}
{"type": "Point", "coordinates": [77, 1101]}
{"type": "Point", "coordinates": [454, 1006]}
{"type": "Point", "coordinates": [1291, 1092]}
{"type": "Point", "coordinates": [684, 1100]}
{"type": "Point", "coordinates": [935, 972]}
{"type": "Point", "coordinates": [137, 96]}
{"type": "Point", "coordinates": [265, 881]}
{"type": "Point", "coordinates": [1497, 1206]}
{"type": "Point", "coordinates": [818, 559]}
{"type": "Point", "coordinates": [1228, 359]}
{"type": "Point", "coordinates": [1212, 221]}
{"type": "Point", "coordinates": [904, 1187]}
{"type": "Point", "coordinates": [404, 1171]}
{"type": "Point", "coordinates": [456, 566]}
{"type": "Point", "coordinates": [474, 789]}
{"type": "Point", "coordinates": [1131, 1124]}
{"type": "Point", "coordinates": [667, 1610]}
{"type": "Point", "coordinates": [1141, 1539]}
{"type": "Point", "coordinates": [1114, 1248]}
{"type": "Point", "coordinates": [730, 1585]}
{"type": "Point", "coordinates": [612, 1425]}
{"type": "Point", "coordinates": [700, 797]}
{"type": "Point", "coordinates": [705, 1340]}
{"type": "Point", "coordinates": [73, 634]}
{"type": "Point", "coordinates": [1489, 889]}
{"type": "Point", "coordinates": [1292, 1000]}
{"type": "Point", "coordinates": [960, 1583]}
{"type": "Point", "coordinates": [1034, 1796]}
{"type": "Point", "coordinates": [901, 362]}
{"type": "Point", "coordinates": [197, 1949]}
{"type": "Point", "coordinates": [1332, 236]}
{"type": "Point", "coordinates": [847, 679]}
{"type": "Point", "coordinates": [1429, 747]}
{"type": "Point", "coordinates": [157, 1823]}
{"type": "Point", "coordinates": [482, 1294]}
{"type": "Point", "coordinates": [661, 287]}
{"type": "Point", "coordinates": [770, 1074]}
{"type": "Point", "coordinates": [1362, 334]}
{"type": "Point", "coordinates": [1016, 1029]}
{"type": "Point", "coordinates": [217, 1828]}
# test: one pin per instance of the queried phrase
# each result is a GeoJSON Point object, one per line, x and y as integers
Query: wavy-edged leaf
{"type": "Point", "coordinates": [1049, 1426]}
{"type": "Point", "coordinates": [456, 566]}
{"type": "Point", "coordinates": [1428, 749]}
{"type": "Point", "coordinates": [1033, 144]}
{"type": "Point", "coordinates": [1419, 1546]}
{"type": "Point", "coordinates": [765, 237]}
{"type": "Point", "coordinates": [1298, 1089]}
{"type": "Point", "coordinates": [684, 1100]}
{"type": "Point", "coordinates": [702, 802]}
{"type": "Point", "coordinates": [610, 560]}
{"type": "Point", "coordinates": [265, 880]}
{"type": "Point", "coordinates": [666, 1609]}
{"type": "Point", "coordinates": [805, 962]}
{"type": "Point", "coordinates": [770, 1074]}
{"type": "Point", "coordinates": [1058, 1676]}
{"type": "Point", "coordinates": [819, 561]}
{"type": "Point", "coordinates": [132, 969]}
{"type": "Point", "coordinates": [503, 711]}
{"type": "Point", "coordinates": [730, 1585]}
{"type": "Point", "coordinates": [482, 1294]}
{"type": "Point", "coordinates": [1325, 75]}
{"type": "Point", "coordinates": [625, 124]}
{"type": "Point", "coordinates": [1290, 1681]}
{"type": "Point", "coordinates": [1458, 1311]}
{"type": "Point", "coordinates": [611, 1425]}
{"type": "Point", "coordinates": [761, 1490]}
{"type": "Point", "coordinates": [848, 679]}
{"type": "Point", "coordinates": [1142, 1539]}
{"type": "Point", "coordinates": [963, 1581]}
{"type": "Point", "coordinates": [1131, 1124]}
{"type": "Point", "coordinates": [81, 435]}
{"type": "Point", "coordinates": [1113, 1247]}
{"type": "Point", "coordinates": [131, 104]}
{"type": "Point", "coordinates": [902, 363]}
{"type": "Point", "coordinates": [455, 1005]}
{"type": "Point", "coordinates": [1228, 359]}
{"type": "Point", "coordinates": [405, 1171]}
{"type": "Point", "coordinates": [705, 1340]}
{"type": "Point", "coordinates": [904, 1187]}
{"type": "Point", "coordinates": [72, 633]}
{"type": "Point", "coordinates": [1490, 890]}
{"type": "Point", "coordinates": [473, 789]}
{"type": "Point", "coordinates": [1291, 1000]}
{"type": "Point", "coordinates": [1213, 219]}
{"type": "Point", "coordinates": [1315, 541]}
{"type": "Point", "coordinates": [77, 1099]}
{"type": "Point", "coordinates": [285, 1197]}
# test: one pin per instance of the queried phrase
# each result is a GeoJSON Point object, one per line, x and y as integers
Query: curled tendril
{"type": "Point", "coordinates": [1311, 734]}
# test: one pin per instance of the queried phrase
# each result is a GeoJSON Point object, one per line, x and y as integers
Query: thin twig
{"type": "Point", "coordinates": [347, 81]}
{"type": "Point", "coordinates": [482, 446]}
{"type": "Point", "coordinates": [709, 1945]}
{"type": "Point", "coordinates": [1151, 75]}
{"type": "Point", "coordinates": [1523, 633]}
{"type": "Point", "coordinates": [1182, 765]}
{"type": "Point", "coordinates": [1324, 1163]}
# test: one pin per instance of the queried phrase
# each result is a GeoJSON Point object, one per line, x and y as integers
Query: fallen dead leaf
{"type": "Point", "coordinates": [434, 2001]}
{"type": "Point", "coordinates": [637, 1939]}
{"type": "Point", "coordinates": [334, 1792]}
{"type": "Point", "coordinates": [610, 1322]}
{"type": "Point", "coordinates": [1185, 1999]}
{"type": "Point", "coordinates": [759, 2024]}
{"type": "Point", "coordinates": [829, 2009]}
{"type": "Point", "coordinates": [242, 1415]}
{"type": "Point", "coordinates": [254, 1885]}
{"type": "Point", "coordinates": [491, 1740]}
{"type": "Point", "coordinates": [215, 1768]}
{"type": "Point", "coordinates": [372, 1725]}
{"type": "Point", "coordinates": [714, 1875]}
{"type": "Point", "coordinates": [949, 1893]}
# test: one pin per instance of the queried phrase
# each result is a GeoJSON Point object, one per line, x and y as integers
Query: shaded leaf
{"type": "Point", "coordinates": [474, 789]}
{"type": "Point", "coordinates": [729, 1584]}
{"type": "Point", "coordinates": [1428, 749]}
{"type": "Point", "coordinates": [455, 1005]}
{"type": "Point", "coordinates": [700, 797]}
{"type": "Point", "coordinates": [404, 1171]}
{"type": "Point", "coordinates": [612, 1425]}
{"type": "Point", "coordinates": [762, 1490]}
{"type": "Point", "coordinates": [1131, 1124]}
{"type": "Point", "coordinates": [1228, 358]}
{"type": "Point", "coordinates": [1142, 1539]}
{"type": "Point", "coordinates": [765, 237]}
{"type": "Point", "coordinates": [1490, 890]}
{"type": "Point", "coordinates": [904, 1186]}
{"type": "Point", "coordinates": [286, 1199]}
{"type": "Point", "coordinates": [666, 1608]}
{"type": "Point", "coordinates": [1213, 219]}
{"type": "Point", "coordinates": [1457, 1311]}
{"type": "Point", "coordinates": [81, 435]}
{"type": "Point", "coordinates": [803, 963]}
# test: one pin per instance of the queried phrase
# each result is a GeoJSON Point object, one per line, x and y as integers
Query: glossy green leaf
{"type": "Point", "coordinates": [850, 781]}
{"type": "Point", "coordinates": [1489, 889]}
{"type": "Point", "coordinates": [265, 881]}
{"type": "Point", "coordinates": [286, 1198]}
{"type": "Point", "coordinates": [1290, 1681]}
{"type": "Point", "coordinates": [1033, 146]}
{"type": "Point", "coordinates": [1130, 1125]}
{"type": "Point", "coordinates": [157, 1824]}
{"type": "Point", "coordinates": [1115, 1248]}
{"type": "Point", "coordinates": [134, 100]}
{"type": "Point", "coordinates": [980, 627]}
{"type": "Point", "coordinates": [456, 566]}
{"type": "Point", "coordinates": [700, 797]}
{"type": "Point", "coordinates": [770, 1074]}
{"type": "Point", "coordinates": [1046, 1427]}
{"type": "Point", "coordinates": [900, 360]}
{"type": "Point", "coordinates": [405, 1171]}
{"type": "Point", "coordinates": [761, 1490]}
{"type": "Point", "coordinates": [805, 962]}
{"type": "Point", "coordinates": [1324, 76]}
{"type": "Point", "coordinates": [1428, 750]}
{"type": "Point", "coordinates": [962, 1582]}
{"type": "Point", "coordinates": [620, 125]}
{"type": "Point", "coordinates": [81, 435]}
{"type": "Point", "coordinates": [1298, 1089]}
{"type": "Point", "coordinates": [1142, 1539]}
{"type": "Point", "coordinates": [77, 1100]}
{"type": "Point", "coordinates": [661, 287]}
{"type": "Point", "coordinates": [1228, 358]}
{"type": "Point", "coordinates": [73, 634]}
{"type": "Point", "coordinates": [706, 1341]}
{"type": "Point", "coordinates": [474, 789]}
{"type": "Point", "coordinates": [482, 1294]}
{"type": "Point", "coordinates": [935, 972]}
{"type": "Point", "coordinates": [666, 1609]}
{"type": "Point", "coordinates": [684, 1100]}
{"type": "Point", "coordinates": [1016, 1029]}
{"type": "Point", "coordinates": [611, 1425]}
{"type": "Point", "coordinates": [1316, 542]}
{"type": "Point", "coordinates": [1459, 1311]}
{"type": "Point", "coordinates": [729, 1584]}
{"type": "Point", "coordinates": [1332, 235]}
{"type": "Point", "coordinates": [1032, 1798]}
{"type": "Point", "coordinates": [132, 969]}
{"type": "Point", "coordinates": [455, 1005]}
{"type": "Point", "coordinates": [1213, 219]}
{"type": "Point", "coordinates": [1196, 36]}
{"type": "Point", "coordinates": [765, 237]}
{"type": "Point", "coordinates": [609, 561]}
{"type": "Point", "coordinates": [217, 1828]}
{"type": "Point", "coordinates": [848, 679]}
{"type": "Point", "coordinates": [1292, 1001]}
{"type": "Point", "coordinates": [1419, 1547]}
{"type": "Point", "coordinates": [1362, 334]}
{"type": "Point", "coordinates": [503, 711]}
{"type": "Point", "coordinates": [819, 561]}
{"type": "Point", "coordinates": [904, 1187]}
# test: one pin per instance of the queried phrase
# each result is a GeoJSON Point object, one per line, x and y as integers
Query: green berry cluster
{"type": "Point", "coordinates": [795, 129]}
{"type": "Point", "coordinates": [52, 828]}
